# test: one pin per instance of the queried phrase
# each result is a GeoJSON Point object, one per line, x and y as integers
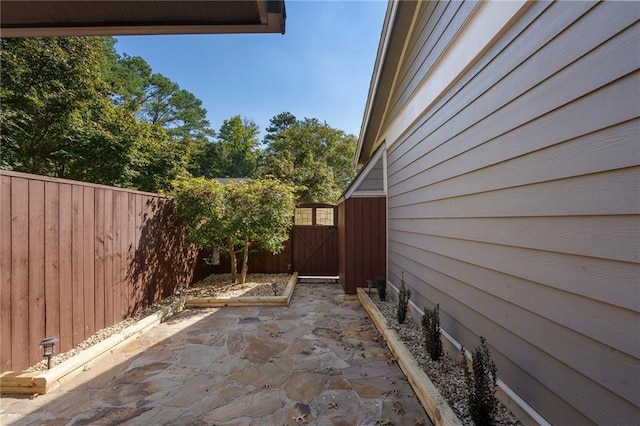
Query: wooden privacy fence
{"type": "Point", "coordinates": [310, 250]}
{"type": "Point", "coordinates": [261, 262]}
{"type": "Point", "coordinates": [77, 257]}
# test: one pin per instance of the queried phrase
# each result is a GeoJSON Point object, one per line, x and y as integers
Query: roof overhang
{"type": "Point", "coordinates": [480, 31]}
{"type": "Point", "coordinates": [396, 27]}
{"type": "Point", "coordinates": [362, 174]}
{"type": "Point", "coordinates": [103, 17]}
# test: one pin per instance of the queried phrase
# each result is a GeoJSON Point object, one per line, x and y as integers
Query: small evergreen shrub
{"type": "Point", "coordinates": [381, 285]}
{"type": "Point", "coordinates": [482, 383]}
{"type": "Point", "coordinates": [431, 328]}
{"type": "Point", "coordinates": [403, 303]}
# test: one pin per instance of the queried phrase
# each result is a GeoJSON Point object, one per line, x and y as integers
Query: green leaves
{"type": "Point", "coordinates": [432, 334]}
{"type": "Point", "coordinates": [202, 207]}
{"type": "Point", "coordinates": [263, 211]}
{"type": "Point", "coordinates": [233, 155]}
{"type": "Point", "coordinates": [57, 116]}
{"type": "Point", "coordinates": [482, 384]}
{"type": "Point", "coordinates": [310, 155]}
{"type": "Point", "coordinates": [259, 211]}
{"type": "Point", "coordinates": [240, 214]}
{"type": "Point", "coordinates": [75, 108]}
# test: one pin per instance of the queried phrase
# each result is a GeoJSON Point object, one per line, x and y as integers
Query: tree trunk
{"type": "Point", "coordinates": [232, 258]}
{"type": "Point", "coordinates": [245, 262]}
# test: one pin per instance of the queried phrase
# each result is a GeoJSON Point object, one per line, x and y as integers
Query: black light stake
{"type": "Point", "coordinates": [275, 288]}
{"type": "Point", "coordinates": [369, 285]}
{"type": "Point", "coordinates": [49, 349]}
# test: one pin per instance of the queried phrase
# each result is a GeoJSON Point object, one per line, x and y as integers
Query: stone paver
{"type": "Point", "coordinates": [318, 362]}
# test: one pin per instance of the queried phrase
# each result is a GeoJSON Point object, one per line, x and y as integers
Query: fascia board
{"type": "Point", "coordinates": [387, 28]}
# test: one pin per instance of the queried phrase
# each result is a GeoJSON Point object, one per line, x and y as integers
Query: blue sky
{"type": "Point", "coordinates": [321, 67]}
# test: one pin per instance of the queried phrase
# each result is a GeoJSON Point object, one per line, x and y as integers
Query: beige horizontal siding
{"type": "Point", "coordinates": [485, 118]}
{"type": "Point", "coordinates": [529, 35]}
{"type": "Point", "coordinates": [513, 202]}
{"type": "Point", "coordinates": [606, 237]}
{"type": "Point", "coordinates": [434, 30]}
{"type": "Point", "coordinates": [607, 193]}
{"type": "Point", "coordinates": [521, 343]}
{"type": "Point", "coordinates": [499, 163]}
{"type": "Point", "coordinates": [374, 181]}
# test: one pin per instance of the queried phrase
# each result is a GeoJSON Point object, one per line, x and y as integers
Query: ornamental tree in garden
{"type": "Point", "coordinates": [240, 216]}
{"type": "Point", "coordinates": [260, 215]}
{"type": "Point", "coordinates": [201, 204]}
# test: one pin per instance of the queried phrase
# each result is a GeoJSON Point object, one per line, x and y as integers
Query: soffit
{"type": "Point", "coordinates": [64, 18]}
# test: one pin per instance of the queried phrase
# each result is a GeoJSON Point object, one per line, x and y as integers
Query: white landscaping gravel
{"type": "Point", "coordinates": [446, 374]}
{"type": "Point", "coordinates": [213, 286]}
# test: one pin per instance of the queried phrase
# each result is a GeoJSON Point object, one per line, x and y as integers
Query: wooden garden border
{"type": "Point", "coordinates": [248, 301]}
{"type": "Point", "coordinates": [434, 403]}
{"type": "Point", "coordinates": [41, 382]}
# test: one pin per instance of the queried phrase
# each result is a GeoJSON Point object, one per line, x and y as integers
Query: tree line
{"type": "Point", "coordinates": [75, 108]}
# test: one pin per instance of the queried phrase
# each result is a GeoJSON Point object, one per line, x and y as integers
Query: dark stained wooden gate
{"type": "Point", "coordinates": [315, 240]}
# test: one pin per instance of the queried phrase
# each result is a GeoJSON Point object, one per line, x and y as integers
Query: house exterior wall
{"type": "Point", "coordinates": [513, 201]}
{"type": "Point", "coordinates": [375, 180]}
{"type": "Point", "coordinates": [437, 23]}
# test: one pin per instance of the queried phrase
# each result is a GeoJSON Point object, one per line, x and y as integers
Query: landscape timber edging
{"type": "Point", "coordinates": [247, 301]}
{"type": "Point", "coordinates": [432, 400]}
{"type": "Point", "coordinates": [41, 382]}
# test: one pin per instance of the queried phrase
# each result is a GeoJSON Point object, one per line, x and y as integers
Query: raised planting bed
{"type": "Point", "coordinates": [221, 301]}
{"type": "Point", "coordinates": [41, 382]}
{"type": "Point", "coordinates": [434, 404]}
{"type": "Point", "coordinates": [29, 382]}
{"type": "Point", "coordinates": [447, 373]}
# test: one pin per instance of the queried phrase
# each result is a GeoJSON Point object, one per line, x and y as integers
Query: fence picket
{"type": "Point", "coordinates": [69, 260]}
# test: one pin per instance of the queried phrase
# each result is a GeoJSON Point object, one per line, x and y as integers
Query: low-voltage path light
{"type": "Point", "coordinates": [49, 349]}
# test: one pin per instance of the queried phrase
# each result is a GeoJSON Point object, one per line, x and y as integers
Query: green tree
{"type": "Point", "coordinates": [233, 155]}
{"type": "Point", "coordinates": [201, 206]}
{"type": "Point", "coordinates": [57, 118]}
{"type": "Point", "coordinates": [239, 216]}
{"type": "Point", "coordinates": [156, 160]}
{"type": "Point", "coordinates": [175, 109]}
{"type": "Point", "coordinates": [260, 216]}
{"type": "Point", "coordinates": [74, 108]}
{"type": "Point", "coordinates": [310, 155]}
{"type": "Point", "coordinates": [173, 126]}
{"type": "Point", "coordinates": [278, 124]}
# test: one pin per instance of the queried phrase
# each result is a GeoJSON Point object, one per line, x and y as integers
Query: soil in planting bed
{"type": "Point", "coordinates": [219, 286]}
{"type": "Point", "coordinates": [446, 374]}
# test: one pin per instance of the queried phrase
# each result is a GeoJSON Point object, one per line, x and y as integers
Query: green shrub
{"type": "Point", "coordinates": [482, 384]}
{"type": "Point", "coordinates": [431, 328]}
{"type": "Point", "coordinates": [381, 285]}
{"type": "Point", "coordinates": [403, 303]}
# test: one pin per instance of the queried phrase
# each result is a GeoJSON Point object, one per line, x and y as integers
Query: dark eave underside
{"type": "Point", "coordinates": [59, 18]}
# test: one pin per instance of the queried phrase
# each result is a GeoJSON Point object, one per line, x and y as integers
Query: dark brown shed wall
{"type": "Point", "coordinates": [361, 241]}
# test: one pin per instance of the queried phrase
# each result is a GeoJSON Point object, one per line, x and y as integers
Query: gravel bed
{"type": "Point", "coordinates": [219, 285]}
{"type": "Point", "coordinates": [212, 286]}
{"type": "Point", "coordinates": [446, 374]}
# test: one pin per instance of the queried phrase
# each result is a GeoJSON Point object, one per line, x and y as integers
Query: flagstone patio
{"type": "Point", "coordinates": [318, 362]}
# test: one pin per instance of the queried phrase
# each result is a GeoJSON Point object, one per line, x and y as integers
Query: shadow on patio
{"type": "Point", "coordinates": [318, 362]}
